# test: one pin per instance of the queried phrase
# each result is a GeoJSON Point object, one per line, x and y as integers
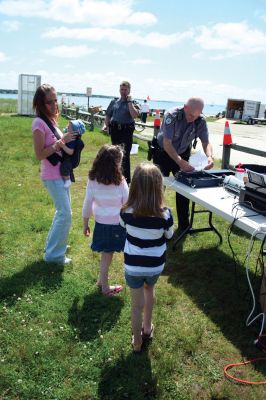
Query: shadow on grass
{"type": "Point", "coordinates": [46, 275]}
{"type": "Point", "coordinates": [130, 378]}
{"type": "Point", "coordinates": [96, 313]}
{"type": "Point", "coordinates": [239, 232]}
{"type": "Point", "coordinates": [220, 289]}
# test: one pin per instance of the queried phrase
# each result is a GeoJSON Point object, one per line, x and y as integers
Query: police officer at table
{"type": "Point", "coordinates": [119, 120]}
{"type": "Point", "coordinates": [180, 128]}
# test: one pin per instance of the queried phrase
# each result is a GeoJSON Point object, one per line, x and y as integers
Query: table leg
{"type": "Point", "coordinates": [190, 229]}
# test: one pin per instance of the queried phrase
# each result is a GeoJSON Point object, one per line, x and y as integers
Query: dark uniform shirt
{"type": "Point", "coordinates": [118, 112]}
{"type": "Point", "coordinates": [182, 133]}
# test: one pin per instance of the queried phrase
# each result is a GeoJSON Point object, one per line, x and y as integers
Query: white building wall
{"type": "Point", "coordinates": [27, 85]}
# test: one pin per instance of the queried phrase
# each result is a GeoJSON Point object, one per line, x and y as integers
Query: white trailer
{"type": "Point", "coordinates": [262, 111]}
{"type": "Point", "coordinates": [245, 110]}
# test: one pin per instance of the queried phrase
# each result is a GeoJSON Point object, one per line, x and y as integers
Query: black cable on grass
{"type": "Point", "coordinates": [236, 260]}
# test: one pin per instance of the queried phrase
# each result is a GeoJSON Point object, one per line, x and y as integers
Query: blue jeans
{"type": "Point", "coordinates": [56, 242]}
{"type": "Point", "coordinates": [136, 282]}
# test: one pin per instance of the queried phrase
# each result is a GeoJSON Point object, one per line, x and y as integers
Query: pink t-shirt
{"type": "Point", "coordinates": [104, 201]}
{"type": "Point", "coordinates": [48, 171]}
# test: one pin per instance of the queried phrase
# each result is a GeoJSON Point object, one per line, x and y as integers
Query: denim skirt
{"type": "Point", "coordinates": [108, 238]}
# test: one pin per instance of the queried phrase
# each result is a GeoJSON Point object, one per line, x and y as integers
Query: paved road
{"type": "Point", "coordinates": [253, 136]}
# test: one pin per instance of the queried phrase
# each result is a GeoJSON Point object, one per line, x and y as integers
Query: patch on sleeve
{"type": "Point", "coordinates": [168, 120]}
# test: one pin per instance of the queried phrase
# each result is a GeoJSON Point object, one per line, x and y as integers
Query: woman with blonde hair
{"type": "Point", "coordinates": [148, 224]}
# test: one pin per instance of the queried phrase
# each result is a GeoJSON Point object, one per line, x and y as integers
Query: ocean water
{"type": "Point", "coordinates": [81, 101]}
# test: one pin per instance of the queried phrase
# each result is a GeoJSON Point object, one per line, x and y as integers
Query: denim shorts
{"type": "Point", "coordinates": [108, 238]}
{"type": "Point", "coordinates": [136, 282]}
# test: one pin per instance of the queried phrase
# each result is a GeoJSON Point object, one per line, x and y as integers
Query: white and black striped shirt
{"type": "Point", "coordinates": [145, 246]}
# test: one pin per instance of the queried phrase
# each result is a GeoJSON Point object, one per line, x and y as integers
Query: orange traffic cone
{"type": "Point", "coordinates": [157, 119]}
{"type": "Point", "coordinates": [227, 134]}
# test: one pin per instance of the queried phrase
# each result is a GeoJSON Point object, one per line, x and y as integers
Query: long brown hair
{"type": "Point", "coordinates": [106, 167]}
{"type": "Point", "coordinates": [39, 99]}
{"type": "Point", "coordinates": [146, 192]}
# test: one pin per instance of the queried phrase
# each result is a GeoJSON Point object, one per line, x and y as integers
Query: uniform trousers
{"type": "Point", "coordinates": [123, 135]}
{"type": "Point", "coordinates": [143, 117]}
{"type": "Point", "coordinates": [167, 165]}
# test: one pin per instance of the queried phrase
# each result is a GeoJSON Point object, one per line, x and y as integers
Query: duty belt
{"type": "Point", "coordinates": [121, 126]}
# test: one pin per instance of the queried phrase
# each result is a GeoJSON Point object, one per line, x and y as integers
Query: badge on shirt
{"type": "Point", "coordinates": [168, 120]}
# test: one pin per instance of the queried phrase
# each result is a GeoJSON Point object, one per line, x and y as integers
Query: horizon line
{"type": "Point", "coordinates": [15, 91]}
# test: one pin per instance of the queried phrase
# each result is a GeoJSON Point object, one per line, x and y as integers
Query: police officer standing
{"type": "Point", "coordinates": [119, 119]}
{"type": "Point", "coordinates": [181, 127]}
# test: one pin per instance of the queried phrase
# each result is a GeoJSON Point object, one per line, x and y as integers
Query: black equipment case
{"type": "Point", "coordinates": [199, 179]}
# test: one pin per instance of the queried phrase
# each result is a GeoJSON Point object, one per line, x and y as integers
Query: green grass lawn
{"type": "Point", "coordinates": [61, 339]}
{"type": "Point", "coordinates": [8, 106]}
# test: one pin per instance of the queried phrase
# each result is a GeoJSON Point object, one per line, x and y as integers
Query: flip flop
{"type": "Point", "coordinates": [136, 349]}
{"type": "Point", "coordinates": [145, 336]}
{"type": "Point", "coordinates": [113, 290]}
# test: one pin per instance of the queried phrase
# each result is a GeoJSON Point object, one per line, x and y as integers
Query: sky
{"type": "Point", "coordinates": [168, 50]}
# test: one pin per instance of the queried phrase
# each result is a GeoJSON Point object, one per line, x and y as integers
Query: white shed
{"type": "Point", "coordinates": [27, 85]}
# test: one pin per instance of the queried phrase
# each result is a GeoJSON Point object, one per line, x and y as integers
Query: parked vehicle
{"type": "Point", "coordinates": [245, 110]}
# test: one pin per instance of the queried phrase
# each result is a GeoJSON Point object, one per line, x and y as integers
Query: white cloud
{"type": "Point", "coordinates": [123, 37]}
{"type": "Point", "coordinates": [102, 83]}
{"type": "Point", "coordinates": [24, 8]}
{"type": "Point", "coordinates": [92, 12]}
{"type": "Point", "coordinates": [160, 40]}
{"type": "Point", "coordinates": [141, 18]}
{"type": "Point", "coordinates": [111, 52]}
{"type": "Point", "coordinates": [69, 51]}
{"type": "Point", "coordinates": [231, 39]}
{"type": "Point", "coordinates": [11, 25]}
{"type": "Point", "coordinates": [9, 80]}
{"type": "Point", "coordinates": [141, 61]}
{"type": "Point", "coordinates": [198, 54]}
{"type": "Point", "coordinates": [3, 57]}
{"type": "Point", "coordinates": [181, 90]}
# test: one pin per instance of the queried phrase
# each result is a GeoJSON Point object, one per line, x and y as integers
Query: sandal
{"type": "Point", "coordinates": [113, 290]}
{"type": "Point", "coordinates": [147, 336]}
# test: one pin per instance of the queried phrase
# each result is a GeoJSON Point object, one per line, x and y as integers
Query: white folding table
{"type": "Point", "coordinates": [219, 201]}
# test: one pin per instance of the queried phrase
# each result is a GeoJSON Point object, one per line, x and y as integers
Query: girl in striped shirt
{"type": "Point", "coordinates": [106, 192]}
{"type": "Point", "coordinates": [148, 224]}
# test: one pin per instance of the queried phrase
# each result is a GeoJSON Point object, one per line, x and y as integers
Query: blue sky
{"type": "Point", "coordinates": [169, 50]}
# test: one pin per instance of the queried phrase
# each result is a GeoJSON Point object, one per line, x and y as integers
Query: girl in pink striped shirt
{"type": "Point", "coordinates": [106, 192]}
